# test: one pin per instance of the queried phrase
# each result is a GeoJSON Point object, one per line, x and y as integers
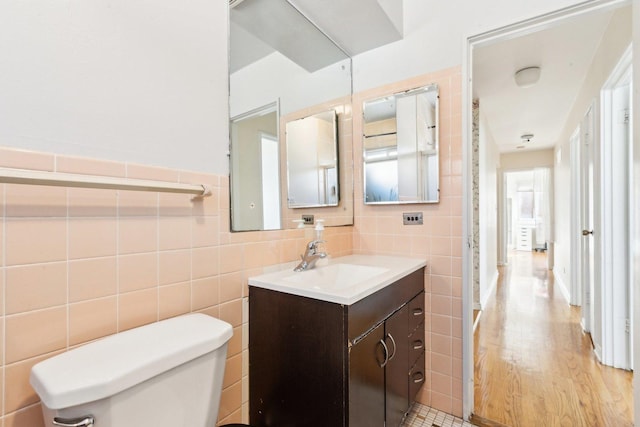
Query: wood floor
{"type": "Point", "coordinates": [533, 364]}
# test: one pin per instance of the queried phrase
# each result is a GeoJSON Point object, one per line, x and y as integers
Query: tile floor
{"type": "Point", "coordinates": [424, 416]}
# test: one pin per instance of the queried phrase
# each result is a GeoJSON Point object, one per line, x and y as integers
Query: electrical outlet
{"type": "Point", "coordinates": [412, 218]}
{"type": "Point", "coordinates": [308, 219]}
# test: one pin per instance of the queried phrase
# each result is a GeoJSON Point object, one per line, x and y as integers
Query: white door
{"type": "Point", "coordinates": [587, 132]}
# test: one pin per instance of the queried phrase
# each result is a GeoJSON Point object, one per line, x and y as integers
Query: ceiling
{"type": "Point", "coordinates": [564, 53]}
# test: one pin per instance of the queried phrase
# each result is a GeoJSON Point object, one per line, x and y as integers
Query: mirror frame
{"type": "Point", "coordinates": [424, 88]}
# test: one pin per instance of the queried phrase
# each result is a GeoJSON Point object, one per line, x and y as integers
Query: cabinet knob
{"type": "Point", "coordinates": [417, 311]}
{"type": "Point", "coordinates": [418, 344]}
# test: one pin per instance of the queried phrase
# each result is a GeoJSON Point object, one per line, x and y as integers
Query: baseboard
{"type": "Point", "coordinates": [562, 287]}
{"type": "Point", "coordinates": [477, 420]}
{"type": "Point", "coordinates": [598, 352]}
{"type": "Point", "coordinates": [475, 322]}
{"type": "Point", "coordinates": [492, 289]}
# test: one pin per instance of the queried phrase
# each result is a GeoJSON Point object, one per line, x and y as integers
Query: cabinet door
{"type": "Point", "coordinates": [366, 380]}
{"type": "Point", "coordinates": [397, 369]}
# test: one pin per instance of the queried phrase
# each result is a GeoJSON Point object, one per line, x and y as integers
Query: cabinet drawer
{"type": "Point", "coordinates": [416, 379]}
{"type": "Point", "coordinates": [416, 344]}
{"type": "Point", "coordinates": [416, 311]}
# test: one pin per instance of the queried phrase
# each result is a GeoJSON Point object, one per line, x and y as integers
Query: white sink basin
{"type": "Point", "coordinates": [335, 276]}
{"type": "Point", "coordinates": [344, 280]}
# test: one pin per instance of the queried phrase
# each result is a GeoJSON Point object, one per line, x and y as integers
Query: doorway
{"type": "Point", "coordinates": [561, 156]}
{"type": "Point", "coordinates": [527, 198]}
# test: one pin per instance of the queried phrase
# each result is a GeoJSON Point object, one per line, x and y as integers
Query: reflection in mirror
{"type": "Point", "coordinates": [312, 161]}
{"type": "Point", "coordinates": [255, 171]}
{"type": "Point", "coordinates": [277, 55]}
{"type": "Point", "coordinates": [401, 148]}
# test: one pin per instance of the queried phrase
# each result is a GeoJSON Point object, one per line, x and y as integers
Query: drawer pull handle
{"type": "Point", "coordinates": [417, 311]}
{"type": "Point", "coordinates": [418, 344]}
{"type": "Point", "coordinates": [86, 421]}
{"type": "Point", "coordinates": [386, 354]}
{"type": "Point", "coordinates": [419, 379]}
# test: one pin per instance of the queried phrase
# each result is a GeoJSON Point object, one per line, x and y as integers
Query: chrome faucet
{"type": "Point", "coordinates": [311, 256]}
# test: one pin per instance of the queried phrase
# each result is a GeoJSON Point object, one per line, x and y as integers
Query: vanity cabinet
{"type": "Point", "coordinates": [319, 363]}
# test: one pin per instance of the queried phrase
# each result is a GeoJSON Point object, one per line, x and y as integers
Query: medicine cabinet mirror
{"type": "Point", "coordinates": [282, 68]}
{"type": "Point", "coordinates": [312, 161]}
{"type": "Point", "coordinates": [400, 147]}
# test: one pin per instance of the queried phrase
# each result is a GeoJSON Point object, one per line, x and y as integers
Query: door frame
{"type": "Point", "coordinates": [614, 305]}
{"type": "Point", "coordinates": [575, 286]}
{"type": "Point", "coordinates": [585, 202]}
{"type": "Point", "coordinates": [471, 42]}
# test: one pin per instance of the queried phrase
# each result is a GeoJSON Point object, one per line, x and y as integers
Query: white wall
{"type": "Point", "coordinates": [527, 160]}
{"type": "Point", "coordinates": [135, 80]}
{"type": "Point", "coordinates": [615, 40]}
{"type": "Point", "coordinates": [275, 77]}
{"type": "Point", "coordinates": [489, 162]}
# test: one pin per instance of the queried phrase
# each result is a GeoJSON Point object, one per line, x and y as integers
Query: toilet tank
{"type": "Point", "coordinates": [165, 374]}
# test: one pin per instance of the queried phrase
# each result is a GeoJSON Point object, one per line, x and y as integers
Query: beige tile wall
{"type": "Point", "coordinates": [379, 230]}
{"type": "Point", "coordinates": [80, 264]}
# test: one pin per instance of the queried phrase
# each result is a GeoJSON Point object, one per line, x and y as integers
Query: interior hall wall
{"type": "Point", "coordinates": [489, 163]}
{"type": "Point", "coordinates": [615, 40]}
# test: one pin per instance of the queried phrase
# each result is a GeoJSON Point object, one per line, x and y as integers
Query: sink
{"type": "Point", "coordinates": [335, 276]}
{"type": "Point", "coordinates": [342, 280]}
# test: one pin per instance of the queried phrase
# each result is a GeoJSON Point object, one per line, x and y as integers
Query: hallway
{"type": "Point", "coordinates": [533, 364]}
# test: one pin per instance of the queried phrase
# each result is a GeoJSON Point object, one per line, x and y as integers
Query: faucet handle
{"type": "Point", "coordinates": [315, 243]}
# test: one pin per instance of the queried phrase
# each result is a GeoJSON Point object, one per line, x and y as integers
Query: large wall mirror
{"type": "Point", "coordinates": [282, 68]}
{"type": "Point", "coordinates": [400, 141]}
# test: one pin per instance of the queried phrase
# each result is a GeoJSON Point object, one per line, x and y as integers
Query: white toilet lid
{"type": "Point", "coordinates": [105, 367]}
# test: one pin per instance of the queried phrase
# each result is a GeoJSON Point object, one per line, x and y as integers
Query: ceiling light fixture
{"type": "Point", "coordinates": [527, 77]}
{"type": "Point", "coordinates": [527, 137]}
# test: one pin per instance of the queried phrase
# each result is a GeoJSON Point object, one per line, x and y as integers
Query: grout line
{"type": "Point", "coordinates": [117, 255]}
{"type": "Point", "coordinates": [67, 244]}
{"type": "Point", "coordinates": [4, 302]}
{"type": "Point", "coordinates": [158, 254]}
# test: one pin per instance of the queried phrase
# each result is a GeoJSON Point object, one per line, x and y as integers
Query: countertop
{"type": "Point", "coordinates": [342, 280]}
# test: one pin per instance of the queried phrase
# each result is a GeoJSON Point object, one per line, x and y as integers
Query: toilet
{"type": "Point", "coordinates": [165, 374]}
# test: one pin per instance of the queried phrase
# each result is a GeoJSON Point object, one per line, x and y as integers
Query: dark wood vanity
{"type": "Point", "coordinates": [324, 364]}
